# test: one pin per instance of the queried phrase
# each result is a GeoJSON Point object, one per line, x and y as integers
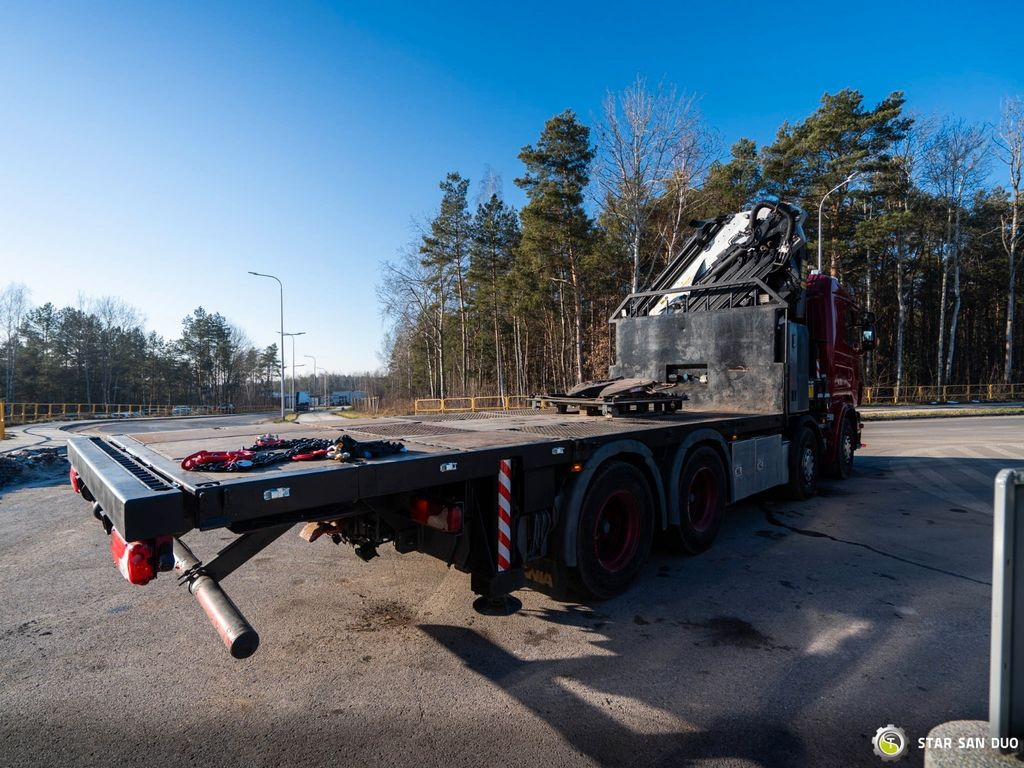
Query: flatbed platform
{"type": "Point", "coordinates": [155, 496]}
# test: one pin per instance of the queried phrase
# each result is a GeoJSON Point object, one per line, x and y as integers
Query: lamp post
{"type": "Point", "coordinates": [260, 274]}
{"type": "Point", "coordinates": [313, 358]}
{"type": "Point", "coordinates": [293, 335]}
{"type": "Point", "coordinates": [840, 185]}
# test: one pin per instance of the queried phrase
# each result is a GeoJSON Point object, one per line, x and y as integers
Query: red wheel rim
{"type": "Point", "coordinates": [702, 499]}
{"type": "Point", "coordinates": [617, 531]}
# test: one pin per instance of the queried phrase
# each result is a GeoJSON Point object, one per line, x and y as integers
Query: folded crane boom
{"type": "Point", "coordinates": [727, 257]}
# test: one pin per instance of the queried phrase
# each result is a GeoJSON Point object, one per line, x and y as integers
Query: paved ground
{"type": "Point", "coordinates": [803, 630]}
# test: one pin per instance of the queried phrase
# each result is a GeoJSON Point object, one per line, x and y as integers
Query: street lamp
{"type": "Point", "coordinates": [841, 184]}
{"type": "Point", "coordinates": [260, 274]}
{"type": "Point", "coordinates": [293, 335]}
{"type": "Point", "coordinates": [313, 358]}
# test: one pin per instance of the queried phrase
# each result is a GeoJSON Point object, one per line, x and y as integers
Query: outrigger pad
{"type": "Point", "coordinates": [611, 388]}
{"type": "Point", "coordinates": [506, 605]}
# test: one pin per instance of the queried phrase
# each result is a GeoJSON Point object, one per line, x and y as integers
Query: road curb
{"type": "Point", "coordinates": [940, 413]}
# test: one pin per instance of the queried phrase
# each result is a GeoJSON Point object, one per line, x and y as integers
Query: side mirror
{"type": "Point", "coordinates": [867, 332]}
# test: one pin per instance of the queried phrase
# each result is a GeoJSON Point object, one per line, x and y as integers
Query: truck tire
{"type": "Point", "coordinates": [702, 498]}
{"type": "Point", "coordinates": [804, 457]}
{"type": "Point", "coordinates": [616, 527]}
{"type": "Point", "coordinates": [842, 467]}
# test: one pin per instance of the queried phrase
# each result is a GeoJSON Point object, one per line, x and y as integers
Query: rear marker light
{"type": "Point", "coordinates": [79, 486]}
{"type": "Point", "coordinates": [134, 558]}
{"type": "Point", "coordinates": [139, 561]}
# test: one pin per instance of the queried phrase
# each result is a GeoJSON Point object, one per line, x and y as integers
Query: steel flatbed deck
{"type": "Point", "coordinates": [146, 493]}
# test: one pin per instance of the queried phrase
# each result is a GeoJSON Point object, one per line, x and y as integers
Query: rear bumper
{"type": "Point", "coordinates": [139, 503]}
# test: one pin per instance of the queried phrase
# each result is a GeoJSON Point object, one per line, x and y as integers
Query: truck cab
{"type": "Point", "coordinates": [840, 335]}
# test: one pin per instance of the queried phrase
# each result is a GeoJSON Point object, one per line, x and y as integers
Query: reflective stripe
{"type": "Point", "coordinates": [504, 515]}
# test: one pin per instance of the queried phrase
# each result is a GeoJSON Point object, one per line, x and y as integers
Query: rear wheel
{"type": "Point", "coordinates": [803, 464]}
{"type": "Point", "coordinates": [616, 527]}
{"type": "Point", "coordinates": [702, 497]}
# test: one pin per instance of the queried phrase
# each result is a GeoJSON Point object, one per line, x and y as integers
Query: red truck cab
{"type": "Point", "coordinates": [840, 334]}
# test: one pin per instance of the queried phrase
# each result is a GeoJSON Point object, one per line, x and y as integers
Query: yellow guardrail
{"type": "Point", "coordinates": [12, 414]}
{"type": "Point", "coordinates": [944, 394]}
{"type": "Point", "coordinates": [470, 404]}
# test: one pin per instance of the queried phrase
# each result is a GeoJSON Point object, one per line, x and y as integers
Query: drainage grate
{"type": "Point", "coordinates": [408, 429]}
{"type": "Point", "coordinates": [143, 475]}
{"type": "Point", "coordinates": [469, 415]}
{"type": "Point", "coordinates": [574, 431]}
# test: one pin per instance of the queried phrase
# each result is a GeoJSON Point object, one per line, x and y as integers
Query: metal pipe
{"type": "Point", "coordinates": [235, 632]}
{"type": "Point", "coordinates": [260, 274]}
{"type": "Point", "coordinates": [842, 183]}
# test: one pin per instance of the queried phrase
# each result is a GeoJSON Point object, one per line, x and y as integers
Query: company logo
{"type": "Point", "coordinates": [890, 743]}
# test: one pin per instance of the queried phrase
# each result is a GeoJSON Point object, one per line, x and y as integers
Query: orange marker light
{"type": "Point", "coordinates": [577, 468]}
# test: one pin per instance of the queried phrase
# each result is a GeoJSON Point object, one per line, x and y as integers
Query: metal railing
{"type": "Point", "coordinates": [13, 414]}
{"type": "Point", "coordinates": [471, 404]}
{"type": "Point", "coordinates": [959, 393]}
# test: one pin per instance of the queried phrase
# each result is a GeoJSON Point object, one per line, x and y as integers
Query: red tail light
{"type": "Point", "coordinates": [135, 560]}
{"type": "Point", "coordinates": [434, 514]}
{"type": "Point", "coordinates": [74, 480]}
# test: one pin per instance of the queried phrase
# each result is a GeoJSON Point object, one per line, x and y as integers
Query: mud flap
{"type": "Point", "coordinates": [548, 576]}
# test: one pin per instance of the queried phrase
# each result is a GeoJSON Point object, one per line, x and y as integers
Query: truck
{"type": "Point", "coordinates": [302, 401]}
{"type": "Point", "coordinates": [734, 373]}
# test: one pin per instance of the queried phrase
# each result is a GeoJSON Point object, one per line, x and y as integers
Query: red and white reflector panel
{"type": "Point", "coordinates": [504, 514]}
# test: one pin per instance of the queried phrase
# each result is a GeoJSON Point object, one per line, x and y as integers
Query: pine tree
{"type": "Point", "coordinates": [445, 251]}
{"type": "Point", "coordinates": [557, 231]}
{"type": "Point", "coordinates": [495, 236]}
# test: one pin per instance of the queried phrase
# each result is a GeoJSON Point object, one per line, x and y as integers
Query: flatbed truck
{"type": "Point", "coordinates": [734, 374]}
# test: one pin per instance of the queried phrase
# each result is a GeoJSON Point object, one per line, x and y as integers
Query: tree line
{"type": "Point", "coordinates": [921, 219]}
{"type": "Point", "coordinates": [100, 352]}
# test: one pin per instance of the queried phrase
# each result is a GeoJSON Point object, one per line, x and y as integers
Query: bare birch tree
{"type": "Point", "coordinates": [13, 306]}
{"type": "Point", "coordinates": [955, 164]}
{"type": "Point", "coordinates": [652, 146]}
{"type": "Point", "coordinates": [411, 296]}
{"type": "Point", "coordinates": [1010, 146]}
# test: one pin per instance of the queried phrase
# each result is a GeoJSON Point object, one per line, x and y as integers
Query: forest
{"type": "Point", "coordinates": [921, 219]}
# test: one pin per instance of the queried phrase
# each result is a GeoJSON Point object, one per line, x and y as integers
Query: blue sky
{"type": "Point", "coordinates": [158, 151]}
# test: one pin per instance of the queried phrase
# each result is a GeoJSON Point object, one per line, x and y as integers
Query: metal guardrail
{"type": "Point", "coordinates": [947, 393]}
{"type": "Point", "coordinates": [470, 404]}
{"type": "Point", "coordinates": [13, 414]}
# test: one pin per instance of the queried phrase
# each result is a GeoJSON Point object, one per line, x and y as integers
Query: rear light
{"type": "Point", "coordinates": [139, 561]}
{"type": "Point", "coordinates": [134, 558]}
{"type": "Point", "coordinates": [434, 514]}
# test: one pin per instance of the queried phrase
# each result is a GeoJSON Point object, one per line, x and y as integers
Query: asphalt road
{"type": "Point", "coordinates": [804, 629]}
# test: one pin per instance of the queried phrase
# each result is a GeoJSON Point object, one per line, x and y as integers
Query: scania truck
{"type": "Point", "coordinates": [734, 373]}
